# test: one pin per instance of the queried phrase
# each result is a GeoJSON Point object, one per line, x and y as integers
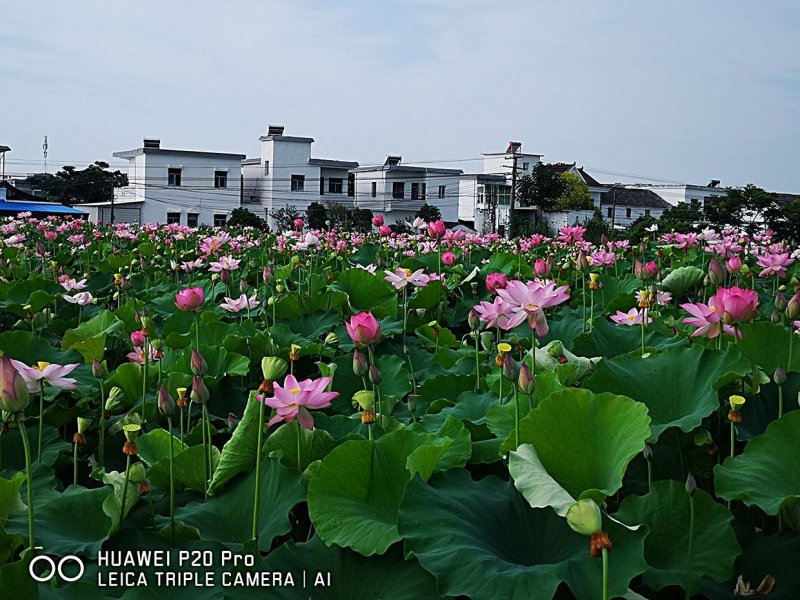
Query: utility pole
{"type": "Point", "coordinates": [513, 148]}
{"type": "Point", "coordinates": [45, 146]}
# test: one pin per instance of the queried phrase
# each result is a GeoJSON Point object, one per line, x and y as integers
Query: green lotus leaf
{"type": "Point", "coordinates": [609, 340]}
{"type": "Point", "coordinates": [89, 338]}
{"type": "Point", "coordinates": [367, 292]}
{"type": "Point", "coordinates": [765, 474]}
{"type": "Point", "coordinates": [766, 345]}
{"type": "Point", "coordinates": [313, 445]}
{"type": "Point", "coordinates": [239, 453]}
{"type": "Point", "coordinates": [583, 441]}
{"type": "Point", "coordinates": [665, 511]}
{"type": "Point", "coordinates": [683, 279]}
{"type": "Point", "coordinates": [482, 540]}
{"type": "Point", "coordinates": [678, 386]}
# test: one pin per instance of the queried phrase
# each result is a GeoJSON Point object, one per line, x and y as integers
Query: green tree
{"type": "Point", "coordinates": [784, 220]}
{"type": "Point", "coordinates": [683, 217]}
{"type": "Point", "coordinates": [576, 195]}
{"type": "Point", "coordinates": [95, 183]}
{"type": "Point", "coordinates": [241, 217]}
{"type": "Point", "coordinates": [284, 217]}
{"type": "Point", "coordinates": [542, 188]}
{"type": "Point", "coordinates": [428, 213]}
{"type": "Point", "coordinates": [745, 207]}
{"type": "Point", "coordinates": [316, 216]}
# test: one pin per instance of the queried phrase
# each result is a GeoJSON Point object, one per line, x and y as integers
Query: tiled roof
{"type": "Point", "coordinates": [633, 197]}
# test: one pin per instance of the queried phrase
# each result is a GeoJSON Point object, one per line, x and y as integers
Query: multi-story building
{"type": "Point", "coordinates": [174, 186]}
{"type": "Point", "coordinates": [396, 191]}
{"type": "Point", "coordinates": [684, 192]}
{"type": "Point", "coordinates": [286, 175]}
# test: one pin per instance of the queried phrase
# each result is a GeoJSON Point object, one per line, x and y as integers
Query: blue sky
{"type": "Point", "coordinates": [683, 91]}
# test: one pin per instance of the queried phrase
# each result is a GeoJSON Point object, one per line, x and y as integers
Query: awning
{"type": "Point", "coordinates": [39, 207]}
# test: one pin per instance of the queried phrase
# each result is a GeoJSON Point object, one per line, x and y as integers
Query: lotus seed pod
{"type": "Point", "coordinates": [273, 367]}
{"type": "Point", "coordinates": [365, 399]}
{"type": "Point", "coordinates": [584, 517]}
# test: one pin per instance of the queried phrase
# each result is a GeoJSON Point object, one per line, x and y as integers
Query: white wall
{"type": "Point", "coordinates": [621, 217]}
{"type": "Point", "coordinates": [557, 219]}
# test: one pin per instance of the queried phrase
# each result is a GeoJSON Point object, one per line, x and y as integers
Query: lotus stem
{"type": "Point", "coordinates": [257, 492]}
{"type": "Point", "coordinates": [206, 466]}
{"type": "Point", "coordinates": [125, 489]}
{"type": "Point", "coordinates": [41, 425]}
{"type": "Point", "coordinates": [605, 573]}
{"type": "Point", "coordinates": [689, 549]}
{"type": "Point", "coordinates": [74, 463]}
{"type": "Point", "coordinates": [533, 351]}
{"type": "Point", "coordinates": [144, 383]}
{"type": "Point", "coordinates": [101, 450]}
{"type": "Point", "coordinates": [29, 483]}
{"type": "Point", "coordinates": [171, 482]}
{"type": "Point", "coordinates": [477, 362]}
{"type": "Point", "coordinates": [516, 419]}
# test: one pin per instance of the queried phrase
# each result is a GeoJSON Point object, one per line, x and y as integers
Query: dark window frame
{"type": "Point", "coordinates": [173, 218]}
{"type": "Point", "coordinates": [401, 186]}
{"type": "Point", "coordinates": [174, 176]}
{"type": "Point", "coordinates": [298, 183]}
{"type": "Point", "coordinates": [220, 220]}
{"type": "Point", "coordinates": [335, 185]}
{"type": "Point", "coordinates": [220, 179]}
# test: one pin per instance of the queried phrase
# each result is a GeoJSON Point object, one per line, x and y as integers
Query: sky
{"type": "Point", "coordinates": [656, 92]}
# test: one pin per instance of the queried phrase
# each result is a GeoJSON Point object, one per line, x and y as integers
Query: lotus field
{"type": "Point", "coordinates": [396, 416]}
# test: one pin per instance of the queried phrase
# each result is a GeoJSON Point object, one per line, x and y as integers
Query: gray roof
{"type": "Point", "coordinates": [286, 138]}
{"type": "Point", "coordinates": [336, 164]}
{"type": "Point", "coordinates": [633, 197]}
{"type": "Point", "coordinates": [4, 148]}
{"type": "Point", "coordinates": [165, 151]}
{"type": "Point", "coordinates": [409, 169]}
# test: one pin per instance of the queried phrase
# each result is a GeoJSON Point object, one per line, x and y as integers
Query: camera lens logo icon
{"type": "Point", "coordinates": [43, 568]}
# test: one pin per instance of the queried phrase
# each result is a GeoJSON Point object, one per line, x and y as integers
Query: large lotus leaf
{"type": "Point", "coordinates": [23, 346]}
{"type": "Point", "coordinates": [766, 345]}
{"type": "Point", "coordinates": [761, 410]}
{"type": "Point", "coordinates": [12, 456]}
{"type": "Point", "coordinates": [113, 502]}
{"type": "Point", "coordinates": [395, 379]}
{"type": "Point", "coordinates": [227, 516]}
{"type": "Point", "coordinates": [220, 363]}
{"type": "Point", "coordinates": [239, 453]}
{"type": "Point", "coordinates": [455, 454]}
{"type": "Point", "coordinates": [9, 495]}
{"type": "Point", "coordinates": [534, 482]}
{"type": "Point", "coordinates": [313, 445]}
{"type": "Point", "coordinates": [129, 378]}
{"type": "Point", "coordinates": [154, 445]}
{"type": "Point", "coordinates": [679, 386]}
{"type": "Point", "coordinates": [583, 441]}
{"type": "Point", "coordinates": [367, 292]}
{"type": "Point", "coordinates": [352, 576]}
{"type": "Point", "coordinates": [609, 340]}
{"type": "Point", "coordinates": [500, 417]}
{"type": "Point", "coordinates": [68, 523]}
{"type": "Point", "coordinates": [766, 474]}
{"type": "Point", "coordinates": [683, 279]}
{"type": "Point", "coordinates": [482, 540]}
{"type": "Point", "coordinates": [356, 491]}
{"type": "Point", "coordinates": [89, 338]}
{"type": "Point", "coordinates": [665, 511]}
{"type": "Point", "coordinates": [188, 468]}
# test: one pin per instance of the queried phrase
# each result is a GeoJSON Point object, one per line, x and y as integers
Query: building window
{"type": "Point", "coordinates": [415, 191]}
{"type": "Point", "coordinates": [398, 190]}
{"type": "Point", "coordinates": [610, 212]}
{"type": "Point", "coordinates": [219, 220]}
{"type": "Point", "coordinates": [220, 179]}
{"type": "Point", "coordinates": [525, 166]}
{"type": "Point", "coordinates": [298, 183]}
{"type": "Point", "coordinates": [480, 194]}
{"type": "Point", "coordinates": [504, 195]}
{"type": "Point", "coordinates": [173, 218]}
{"type": "Point", "coordinates": [374, 189]}
{"type": "Point", "coordinates": [351, 185]}
{"type": "Point", "coordinates": [321, 186]}
{"type": "Point", "coordinates": [266, 167]}
{"type": "Point", "coordinates": [192, 219]}
{"type": "Point", "coordinates": [335, 185]}
{"type": "Point", "coordinates": [628, 213]}
{"type": "Point", "coordinates": [442, 190]}
{"type": "Point", "coordinates": [647, 212]}
{"type": "Point", "coordinates": [173, 177]}
{"type": "Point", "coordinates": [423, 190]}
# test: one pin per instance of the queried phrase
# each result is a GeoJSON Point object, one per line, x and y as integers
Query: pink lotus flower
{"type": "Point", "coordinates": [645, 271]}
{"type": "Point", "coordinates": [496, 281]}
{"type": "Point", "coordinates": [736, 305]}
{"type": "Point", "coordinates": [294, 399]}
{"type": "Point", "coordinates": [137, 356]}
{"type": "Point", "coordinates": [298, 223]}
{"type": "Point", "coordinates": [686, 240]}
{"type": "Point", "coordinates": [377, 220]}
{"type": "Point", "coordinates": [540, 268]}
{"type": "Point", "coordinates": [774, 264]}
{"type": "Point", "coordinates": [81, 298]}
{"type": "Point", "coordinates": [734, 264]}
{"type": "Point", "coordinates": [240, 303]}
{"type": "Point", "coordinates": [384, 231]}
{"type": "Point", "coordinates": [55, 375]}
{"type": "Point", "coordinates": [190, 299]}
{"type": "Point", "coordinates": [402, 277]}
{"type": "Point", "coordinates": [499, 313]}
{"type": "Point", "coordinates": [191, 265]}
{"type": "Point", "coordinates": [437, 229]}
{"type": "Point", "coordinates": [533, 298]}
{"type": "Point", "coordinates": [137, 339]}
{"type": "Point", "coordinates": [571, 234]}
{"type": "Point", "coordinates": [69, 284]}
{"type": "Point", "coordinates": [225, 263]}
{"type": "Point", "coordinates": [448, 258]}
{"type": "Point", "coordinates": [633, 317]}
{"type": "Point", "coordinates": [363, 329]}
{"type": "Point", "coordinates": [706, 318]}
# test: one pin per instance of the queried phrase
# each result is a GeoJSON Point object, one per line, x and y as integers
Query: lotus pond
{"type": "Point", "coordinates": [214, 414]}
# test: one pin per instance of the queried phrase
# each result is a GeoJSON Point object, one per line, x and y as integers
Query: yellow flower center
{"type": "Point", "coordinates": [407, 272]}
{"type": "Point", "coordinates": [296, 390]}
{"type": "Point", "coordinates": [41, 365]}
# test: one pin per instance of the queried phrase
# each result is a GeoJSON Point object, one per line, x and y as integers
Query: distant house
{"type": "Point", "coordinates": [596, 188]}
{"type": "Point", "coordinates": [397, 191]}
{"type": "Point", "coordinates": [285, 174]}
{"type": "Point", "coordinates": [14, 201]}
{"type": "Point", "coordinates": [621, 206]}
{"type": "Point", "coordinates": [684, 192]}
{"type": "Point", "coordinates": [188, 187]}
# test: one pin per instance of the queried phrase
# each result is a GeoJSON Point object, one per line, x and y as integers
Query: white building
{"type": "Point", "coordinates": [397, 191]}
{"type": "Point", "coordinates": [693, 194]}
{"type": "Point", "coordinates": [621, 206]}
{"type": "Point", "coordinates": [286, 175]}
{"type": "Point", "coordinates": [174, 186]}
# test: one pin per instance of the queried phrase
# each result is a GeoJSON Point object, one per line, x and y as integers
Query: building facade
{"type": "Point", "coordinates": [621, 206]}
{"type": "Point", "coordinates": [174, 186]}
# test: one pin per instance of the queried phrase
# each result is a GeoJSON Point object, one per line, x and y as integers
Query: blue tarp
{"type": "Point", "coordinates": [36, 207]}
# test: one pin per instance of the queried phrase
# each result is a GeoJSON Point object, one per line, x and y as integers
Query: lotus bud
{"type": "Point", "coordinates": [691, 485]}
{"type": "Point", "coordinates": [115, 399]}
{"type": "Point", "coordinates": [638, 269]}
{"type": "Point", "coordinates": [651, 269]}
{"type": "Point", "coordinates": [715, 273]}
{"type": "Point", "coordinates": [473, 320]}
{"type": "Point", "coordinates": [331, 339]}
{"type": "Point", "coordinates": [375, 375]}
{"type": "Point", "coordinates": [540, 268]}
{"type": "Point", "coordinates": [243, 287]}
{"type": "Point", "coordinates": [510, 368]}
{"type": "Point", "coordinates": [780, 300]}
{"type": "Point", "coordinates": [775, 316]}
{"type": "Point", "coordinates": [582, 263]}
{"type": "Point", "coordinates": [647, 453]}
{"type": "Point", "coordinates": [779, 377]}
{"type": "Point", "coordinates": [487, 337]}
{"type": "Point", "coordinates": [273, 367]}
{"type": "Point", "coordinates": [99, 369]}
{"type": "Point", "coordinates": [267, 275]}
{"type": "Point", "coordinates": [200, 393]}
{"type": "Point", "coordinates": [734, 264]}
{"type": "Point", "coordinates": [793, 307]}
{"type": "Point", "coordinates": [14, 394]}
{"type": "Point", "coordinates": [365, 399]}
{"type": "Point", "coordinates": [584, 517]}
{"type": "Point", "coordinates": [551, 264]}
{"type": "Point", "coordinates": [233, 421]}
{"type": "Point", "coordinates": [166, 405]}
{"type": "Point", "coordinates": [526, 382]}
{"type": "Point", "coordinates": [198, 363]}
